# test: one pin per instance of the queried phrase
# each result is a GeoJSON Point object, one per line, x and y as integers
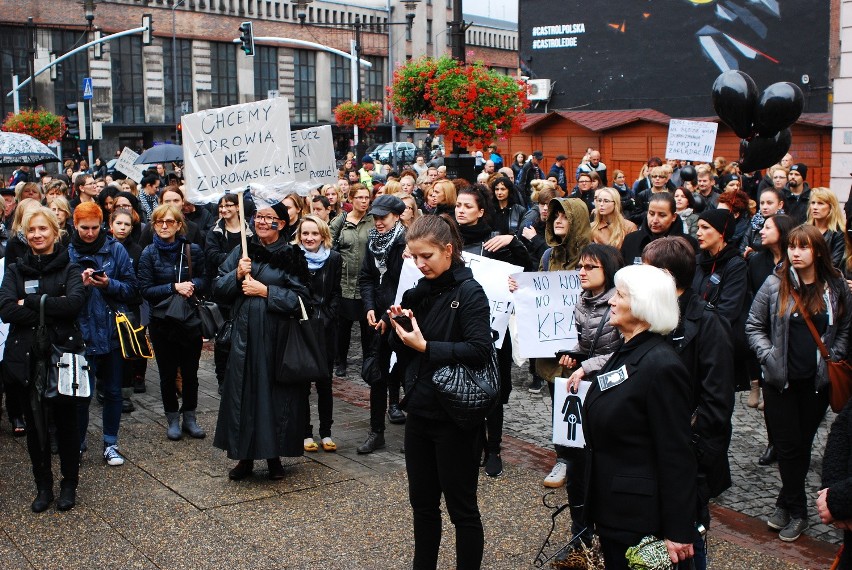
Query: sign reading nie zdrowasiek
{"type": "Point", "coordinates": [232, 147]}
{"type": "Point", "coordinates": [691, 140]}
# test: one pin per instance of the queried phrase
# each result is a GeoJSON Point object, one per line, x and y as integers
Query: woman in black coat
{"type": "Point", "coordinates": [325, 266]}
{"type": "Point", "coordinates": [834, 502]}
{"type": "Point", "coordinates": [441, 457]}
{"type": "Point", "coordinates": [45, 269]}
{"type": "Point", "coordinates": [378, 281]}
{"type": "Point", "coordinates": [480, 238]}
{"type": "Point", "coordinates": [636, 421]}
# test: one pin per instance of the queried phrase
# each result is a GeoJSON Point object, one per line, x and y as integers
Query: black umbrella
{"type": "Point", "coordinates": [18, 149]}
{"type": "Point", "coordinates": [161, 153]}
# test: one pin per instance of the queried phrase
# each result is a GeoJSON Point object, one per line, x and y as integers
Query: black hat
{"type": "Point", "coordinates": [367, 159]}
{"type": "Point", "coordinates": [560, 157]}
{"type": "Point", "coordinates": [378, 178]}
{"type": "Point", "coordinates": [538, 154]}
{"type": "Point", "coordinates": [727, 178]}
{"type": "Point", "coordinates": [7, 191]}
{"type": "Point", "coordinates": [722, 221]}
{"type": "Point", "coordinates": [281, 211]}
{"type": "Point", "coordinates": [384, 205]}
{"type": "Point", "coordinates": [801, 168]}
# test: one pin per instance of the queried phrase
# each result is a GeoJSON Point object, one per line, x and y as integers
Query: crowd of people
{"type": "Point", "coordinates": [698, 280]}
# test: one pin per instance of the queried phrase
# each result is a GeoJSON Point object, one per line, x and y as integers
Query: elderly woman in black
{"type": "Point", "coordinates": [441, 457]}
{"type": "Point", "coordinates": [259, 417]}
{"type": "Point", "coordinates": [641, 467]}
{"type": "Point", "coordinates": [45, 269]}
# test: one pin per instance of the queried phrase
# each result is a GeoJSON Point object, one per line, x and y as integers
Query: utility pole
{"type": "Point", "coordinates": [457, 32]}
{"type": "Point", "coordinates": [31, 38]}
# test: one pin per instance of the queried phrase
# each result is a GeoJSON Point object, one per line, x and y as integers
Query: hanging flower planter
{"type": "Point", "coordinates": [40, 124]}
{"type": "Point", "coordinates": [364, 115]}
{"type": "Point", "coordinates": [471, 103]}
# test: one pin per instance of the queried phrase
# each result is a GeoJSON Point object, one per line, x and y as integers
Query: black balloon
{"type": "Point", "coordinates": [779, 106]}
{"type": "Point", "coordinates": [735, 100]}
{"type": "Point", "coordinates": [688, 174]}
{"type": "Point", "coordinates": [762, 152]}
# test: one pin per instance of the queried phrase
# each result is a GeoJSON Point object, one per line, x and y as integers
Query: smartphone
{"type": "Point", "coordinates": [580, 357]}
{"type": "Point", "coordinates": [404, 322]}
{"type": "Point", "coordinates": [98, 273]}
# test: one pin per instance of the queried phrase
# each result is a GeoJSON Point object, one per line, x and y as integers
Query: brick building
{"type": "Point", "coordinates": [193, 64]}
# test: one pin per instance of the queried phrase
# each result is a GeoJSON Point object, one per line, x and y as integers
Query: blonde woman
{"type": "Point", "coordinates": [411, 212]}
{"type": "Point", "coordinates": [825, 214]}
{"type": "Point", "coordinates": [62, 210]}
{"type": "Point", "coordinates": [392, 187]}
{"type": "Point", "coordinates": [335, 198]}
{"type": "Point", "coordinates": [608, 224]}
{"type": "Point", "coordinates": [17, 244]}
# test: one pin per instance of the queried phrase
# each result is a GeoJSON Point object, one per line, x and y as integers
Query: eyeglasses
{"type": "Point", "coordinates": [167, 223]}
{"type": "Point", "coordinates": [588, 267]}
{"type": "Point", "coordinates": [266, 219]}
{"type": "Point", "coordinates": [658, 176]}
{"type": "Point", "coordinates": [603, 201]}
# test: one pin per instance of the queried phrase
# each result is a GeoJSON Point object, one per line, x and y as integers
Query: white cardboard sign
{"type": "Point", "coordinates": [233, 147]}
{"type": "Point", "coordinates": [313, 153]}
{"type": "Point", "coordinates": [125, 164]}
{"type": "Point", "coordinates": [691, 140]}
{"type": "Point", "coordinates": [568, 413]}
{"type": "Point", "coordinates": [491, 274]}
{"type": "Point", "coordinates": [544, 309]}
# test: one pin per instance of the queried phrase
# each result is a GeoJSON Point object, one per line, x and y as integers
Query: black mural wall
{"type": "Point", "coordinates": [665, 54]}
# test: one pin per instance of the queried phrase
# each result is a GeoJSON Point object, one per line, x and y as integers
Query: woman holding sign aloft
{"type": "Point", "coordinates": [474, 215]}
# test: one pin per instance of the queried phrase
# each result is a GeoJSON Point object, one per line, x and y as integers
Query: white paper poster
{"type": "Point", "coordinates": [125, 165]}
{"type": "Point", "coordinates": [568, 413]}
{"type": "Point", "coordinates": [691, 140]}
{"type": "Point", "coordinates": [544, 309]}
{"type": "Point", "coordinates": [491, 274]}
{"type": "Point", "coordinates": [313, 154]}
{"type": "Point", "coordinates": [233, 147]}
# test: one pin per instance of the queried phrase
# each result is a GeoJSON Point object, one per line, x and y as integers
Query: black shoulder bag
{"type": "Point", "coordinates": [467, 394]}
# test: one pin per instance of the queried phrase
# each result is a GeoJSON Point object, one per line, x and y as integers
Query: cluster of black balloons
{"type": "Point", "coordinates": [762, 120]}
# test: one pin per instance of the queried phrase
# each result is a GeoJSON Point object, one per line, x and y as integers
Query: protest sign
{"type": "Point", "coordinates": [313, 153]}
{"type": "Point", "coordinates": [568, 413]}
{"type": "Point", "coordinates": [491, 274]}
{"type": "Point", "coordinates": [233, 147]}
{"type": "Point", "coordinates": [544, 309]}
{"type": "Point", "coordinates": [125, 164]}
{"type": "Point", "coordinates": [691, 140]}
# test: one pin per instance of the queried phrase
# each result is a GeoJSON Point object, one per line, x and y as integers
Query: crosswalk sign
{"type": "Point", "coordinates": [87, 88]}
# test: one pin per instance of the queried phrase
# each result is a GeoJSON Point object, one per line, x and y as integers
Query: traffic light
{"type": "Point", "coordinates": [72, 121]}
{"type": "Point", "coordinates": [148, 33]}
{"type": "Point", "coordinates": [247, 38]}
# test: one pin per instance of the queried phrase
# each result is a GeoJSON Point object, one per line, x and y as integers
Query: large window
{"type": "Point", "coordinates": [223, 72]}
{"type": "Point", "coordinates": [183, 59]}
{"type": "Point", "coordinates": [68, 87]}
{"type": "Point", "coordinates": [265, 71]}
{"type": "Point", "coordinates": [14, 53]}
{"type": "Point", "coordinates": [374, 83]}
{"type": "Point", "coordinates": [305, 86]}
{"type": "Point", "coordinates": [341, 80]}
{"type": "Point", "coordinates": [128, 89]}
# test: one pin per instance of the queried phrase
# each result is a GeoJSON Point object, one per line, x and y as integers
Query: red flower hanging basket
{"type": "Point", "coordinates": [39, 124]}
{"type": "Point", "coordinates": [364, 115]}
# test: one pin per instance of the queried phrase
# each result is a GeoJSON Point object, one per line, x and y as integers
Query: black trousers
{"type": "Point", "coordinates": [349, 307]}
{"type": "Point", "coordinates": [793, 416]}
{"type": "Point", "coordinates": [174, 349]}
{"type": "Point", "coordinates": [325, 408]}
{"type": "Point", "coordinates": [62, 411]}
{"type": "Point", "coordinates": [441, 458]}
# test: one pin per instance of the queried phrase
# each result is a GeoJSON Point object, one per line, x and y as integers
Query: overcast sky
{"type": "Point", "coordinates": [500, 9]}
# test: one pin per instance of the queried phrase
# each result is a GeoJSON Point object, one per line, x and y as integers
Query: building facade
{"type": "Point", "coordinates": [193, 62]}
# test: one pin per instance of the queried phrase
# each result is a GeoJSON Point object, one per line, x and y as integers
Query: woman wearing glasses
{"type": "Point", "coordinates": [608, 224]}
{"type": "Point", "coordinates": [260, 418]}
{"type": "Point", "coordinates": [163, 272]}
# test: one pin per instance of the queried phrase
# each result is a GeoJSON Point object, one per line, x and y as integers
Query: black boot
{"type": "Point", "coordinates": [242, 470]}
{"type": "Point", "coordinates": [373, 442]}
{"type": "Point", "coordinates": [67, 498]}
{"type": "Point", "coordinates": [43, 499]}
{"type": "Point", "coordinates": [769, 456]}
{"type": "Point", "coordinates": [276, 470]}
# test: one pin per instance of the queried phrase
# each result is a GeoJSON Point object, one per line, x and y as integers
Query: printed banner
{"type": "Point", "coordinates": [544, 308]}
{"type": "Point", "coordinates": [691, 140]}
{"type": "Point", "coordinates": [568, 413]}
{"type": "Point", "coordinates": [234, 147]}
{"type": "Point", "coordinates": [125, 164]}
{"type": "Point", "coordinates": [491, 274]}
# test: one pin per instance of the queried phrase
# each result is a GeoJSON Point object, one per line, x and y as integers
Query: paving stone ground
{"type": "Point", "coordinates": [172, 506]}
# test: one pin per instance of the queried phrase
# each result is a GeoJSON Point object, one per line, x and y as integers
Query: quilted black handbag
{"type": "Point", "coordinates": [467, 394]}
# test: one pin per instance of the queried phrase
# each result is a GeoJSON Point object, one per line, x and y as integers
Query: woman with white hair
{"type": "Point", "coordinates": [636, 421]}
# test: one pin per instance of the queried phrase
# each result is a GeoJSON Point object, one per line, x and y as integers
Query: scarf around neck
{"type": "Point", "coordinates": [380, 243]}
{"type": "Point", "coordinates": [172, 247]}
{"type": "Point", "coordinates": [316, 259]}
{"type": "Point", "coordinates": [85, 248]}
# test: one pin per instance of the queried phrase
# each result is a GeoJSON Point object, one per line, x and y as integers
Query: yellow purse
{"type": "Point", "coordinates": [134, 342]}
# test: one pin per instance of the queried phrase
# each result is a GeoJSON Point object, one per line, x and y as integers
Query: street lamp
{"type": "Point", "coordinates": [89, 11]}
{"type": "Point", "coordinates": [301, 9]}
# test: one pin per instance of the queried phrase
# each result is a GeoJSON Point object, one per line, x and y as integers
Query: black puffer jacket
{"type": "Point", "coordinates": [158, 272]}
{"type": "Point", "coordinates": [469, 341]}
{"type": "Point", "coordinates": [57, 278]}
